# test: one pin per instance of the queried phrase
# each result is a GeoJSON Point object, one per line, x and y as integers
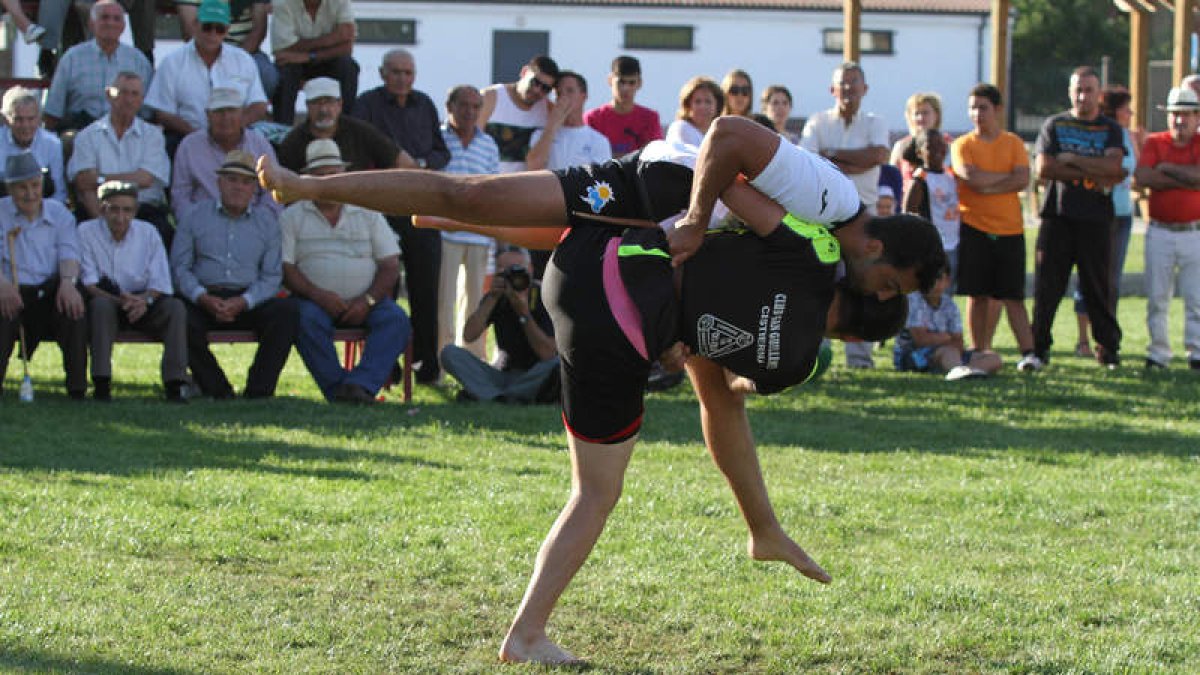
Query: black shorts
{"type": "Point", "coordinates": [625, 188]}
{"type": "Point", "coordinates": [603, 376]}
{"type": "Point", "coordinates": [991, 265]}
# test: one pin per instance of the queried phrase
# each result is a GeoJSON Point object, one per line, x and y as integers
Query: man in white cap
{"type": "Point", "coordinates": [312, 38]}
{"type": "Point", "coordinates": [362, 146]}
{"type": "Point", "coordinates": [203, 151]}
{"type": "Point", "coordinates": [1170, 167]}
{"type": "Point", "coordinates": [341, 262]}
{"type": "Point", "coordinates": [38, 237]}
{"type": "Point", "coordinates": [128, 282]}
{"type": "Point", "coordinates": [121, 146]}
{"type": "Point", "coordinates": [225, 261]}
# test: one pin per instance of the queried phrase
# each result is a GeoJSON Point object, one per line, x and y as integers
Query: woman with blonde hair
{"type": "Point", "coordinates": [923, 110]}
{"type": "Point", "coordinates": [739, 93]}
{"type": "Point", "coordinates": [699, 102]}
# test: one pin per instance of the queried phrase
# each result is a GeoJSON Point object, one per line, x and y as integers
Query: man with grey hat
{"type": "Point", "coordinates": [121, 146]}
{"type": "Point", "coordinates": [341, 263]}
{"type": "Point", "coordinates": [1170, 167]}
{"type": "Point", "coordinates": [226, 264]}
{"type": "Point", "coordinates": [40, 244]}
{"type": "Point", "coordinates": [203, 151]}
{"type": "Point", "coordinates": [128, 282]}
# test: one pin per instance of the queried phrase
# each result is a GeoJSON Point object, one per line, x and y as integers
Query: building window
{"type": "Point", "coordinates": [387, 31]}
{"type": "Point", "coordinates": [869, 41]}
{"type": "Point", "coordinates": [673, 38]}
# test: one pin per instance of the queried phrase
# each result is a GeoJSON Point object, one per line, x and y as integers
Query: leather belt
{"type": "Point", "coordinates": [1189, 226]}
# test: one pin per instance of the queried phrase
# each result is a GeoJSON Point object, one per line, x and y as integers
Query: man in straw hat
{"type": "Point", "coordinates": [226, 264]}
{"type": "Point", "coordinates": [126, 276]}
{"type": "Point", "coordinates": [40, 248]}
{"type": "Point", "coordinates": [1170, 166]}
{"type": "Point", "coordinates": [341, 262]}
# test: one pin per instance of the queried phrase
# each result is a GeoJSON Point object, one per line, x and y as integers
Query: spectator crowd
{"type": "Point", "coordinates": [132, 204]}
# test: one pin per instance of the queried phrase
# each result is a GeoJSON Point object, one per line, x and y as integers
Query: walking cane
{"type": "Point", "coordinates": [26, 390]}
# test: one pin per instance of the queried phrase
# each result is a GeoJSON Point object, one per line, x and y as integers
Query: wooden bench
{"type": "Point", "coordinates": [353, 340]}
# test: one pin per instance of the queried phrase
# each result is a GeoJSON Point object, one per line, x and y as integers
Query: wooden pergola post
{"type": "Point", "coordinates": [851, 28]}
{"type": "Point", "coordinates": [1181, 29]}
{"type": "Point", "coordinates": [1139, 44]}
{"type": "Point", "coordinates": [998, 73]}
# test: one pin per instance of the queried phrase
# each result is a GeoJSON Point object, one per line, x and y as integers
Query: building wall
{"type": "Point", "coordinates": [937, 52]}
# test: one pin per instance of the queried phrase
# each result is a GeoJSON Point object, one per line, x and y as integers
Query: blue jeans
{"type": "Point", "coordinates": [388, 331]}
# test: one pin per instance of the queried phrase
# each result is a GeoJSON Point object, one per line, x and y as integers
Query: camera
{"type": "Point", "coordinates": [517, 277]}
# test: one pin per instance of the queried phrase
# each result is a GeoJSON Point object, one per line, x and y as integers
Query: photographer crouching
{"type": "Point", "coordinates": [527, 371]}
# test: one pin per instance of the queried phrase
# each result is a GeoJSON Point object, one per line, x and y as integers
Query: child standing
{"type": "Point", "coordinates": [933, 193]}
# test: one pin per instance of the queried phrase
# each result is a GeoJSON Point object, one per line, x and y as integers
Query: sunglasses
{"type": "Point", "coordinates": [214, 28]}
{"type": "Point", "coordinates": [740, 90]}
{"type": "Point", "coordinates": [546, 88]}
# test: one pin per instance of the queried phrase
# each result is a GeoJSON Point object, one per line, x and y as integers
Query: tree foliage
{"type": "Point", "coordinates": [1052, 37]}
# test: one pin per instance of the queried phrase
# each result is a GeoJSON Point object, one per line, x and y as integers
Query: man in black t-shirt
{"type": "Point", "coordinates": [524, 335]}
{"type": "Point", "coordinates": [1079, 154]}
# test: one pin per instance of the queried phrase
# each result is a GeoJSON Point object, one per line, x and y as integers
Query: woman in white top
{"type": "Point", "coordinates": [700, 100]}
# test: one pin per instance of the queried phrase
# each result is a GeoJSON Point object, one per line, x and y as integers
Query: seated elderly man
{"type": "Point", "coordinates": [203, 151]}
{"type": "Point", "coordinates": [120, 146]}
{"type": "Point", "coordinates": [362, 146]}
{"type": "Point", "coordinates": [40, 250]}
{"type": "Point", "coordinates": [125, 273]}
{"type": "Point", "coordinates": [309, 39]}
{"type": "Point", "coordinates": [77, 92]}
{"type": "Point", "coordinates": [341, 262]}
{"type": "Point", "coordinates": [24, 133]}
{"type": "Point", "coordinates": [226, 264]}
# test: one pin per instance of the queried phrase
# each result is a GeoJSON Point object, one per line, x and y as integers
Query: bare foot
{"type": "Point", "coordinates": [776, 545]}
{"type": "Point", "coordinates": [282, 183]}
{"type": "Point", "coordinates": [539, 650]}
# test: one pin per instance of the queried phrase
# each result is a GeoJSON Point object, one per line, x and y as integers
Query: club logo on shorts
{"type": "Point", "coordinates": [717, 337]}
{"type": "Point", "coordinates": [598, 195]}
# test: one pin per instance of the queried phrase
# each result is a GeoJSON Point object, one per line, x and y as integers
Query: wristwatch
{"type": "Point", "coordinates": [150, 300]}
{"type": "Point", "coordinates": [369, 299]}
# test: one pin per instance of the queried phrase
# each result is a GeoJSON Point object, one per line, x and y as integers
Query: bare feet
{"type": "Point", "coordinates": [282, 183]}
{"type": "Point", "coordinates": [776, 545]}
{"type": "Point", "coordinates": [538, 650]}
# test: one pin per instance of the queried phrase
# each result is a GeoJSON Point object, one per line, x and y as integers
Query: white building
{"type": "Point", "coordinates": [907, 46]}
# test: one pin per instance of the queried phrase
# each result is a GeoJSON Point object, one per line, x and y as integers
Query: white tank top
{"type": "Point", "coordinates": [943, 206]}
{"type": "Point", "coordinates": [512, 128]}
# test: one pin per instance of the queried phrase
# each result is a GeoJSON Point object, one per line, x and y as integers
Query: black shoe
{"type": "Point", "coordinates": [1194, 364]}
{"type": "Point", "coordinates": [102, 389]}
{"type": "Point", "coordinates": [464, 396]}
{"type": "Point", "coordinates": [1107, 359]}
{"type": "Point", "coordinates": [79, 395]}
{"type": "Point", "coordinates": [174, 391]}
{"type": "Point", "coordinates": [427, 374]}
{"type": "Point", "coordinates": [348, 392]}
{"type": "Point", "coordinates": [1151, 364]}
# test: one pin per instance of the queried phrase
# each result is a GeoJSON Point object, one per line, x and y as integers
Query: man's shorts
{"type": "Point", "coordinates": [991, 265]}
{"type": "Point", "coordinates": [603, 375]}
{"type": "Point", "coordinates": [625, 188]}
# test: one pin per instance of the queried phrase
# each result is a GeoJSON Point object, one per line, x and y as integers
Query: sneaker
{"type": "Point", "coordinates": [965, 373]}
{"type": "Point", "coordinates": [33, 33]}
{"type": "Point", "coordinates": [1030, 363]}
{"type": "Point", "coordinates": [1151, 364]}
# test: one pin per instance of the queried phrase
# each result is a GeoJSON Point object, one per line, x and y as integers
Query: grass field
{"type": "Point", "coordinates": [1036, 524]}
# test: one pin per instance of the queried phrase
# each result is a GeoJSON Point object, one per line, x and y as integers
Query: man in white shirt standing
{"type": "Point", "coordinates": [565, 140]}
{"type": "Point", "coordinates": [857, 143]}
{"type": "Point", "coordinates": [128, 281]}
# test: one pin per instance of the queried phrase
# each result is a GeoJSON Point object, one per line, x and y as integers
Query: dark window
{"type": "Point", "coordinates": [387, 31]}
{"type": "Point", "coordinates": [869, 41]}
{"type": "Point", "coordinates": [675, 38]}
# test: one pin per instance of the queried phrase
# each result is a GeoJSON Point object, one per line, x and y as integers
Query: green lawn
{"type": "Point", "coordinates": [1036, 524]}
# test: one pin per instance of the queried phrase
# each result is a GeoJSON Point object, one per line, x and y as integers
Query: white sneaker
{"type": "Point", "coordinates": [1030, 363]}
{"type": "Point", "coordinates": [965, 373]}
{"type": "Point", "coordinates": [33, 33]}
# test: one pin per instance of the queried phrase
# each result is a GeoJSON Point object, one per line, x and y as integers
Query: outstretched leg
{"type": "Point", "coordinates": [597, 476]}
{"type": "Point", "coordinates": [727, 434]}
{"type": "Point", "coordinates": [527, 199]}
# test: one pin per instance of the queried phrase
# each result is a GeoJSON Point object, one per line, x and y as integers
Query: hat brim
{"type": "Point", "coordinates": [1180, 108]}
{"type": "Point", "coordinates": [22, 178]}
{"type": "Point", "coordinates": [321, 163]}
{"type": "Point", "coordinates": [237, 171]}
